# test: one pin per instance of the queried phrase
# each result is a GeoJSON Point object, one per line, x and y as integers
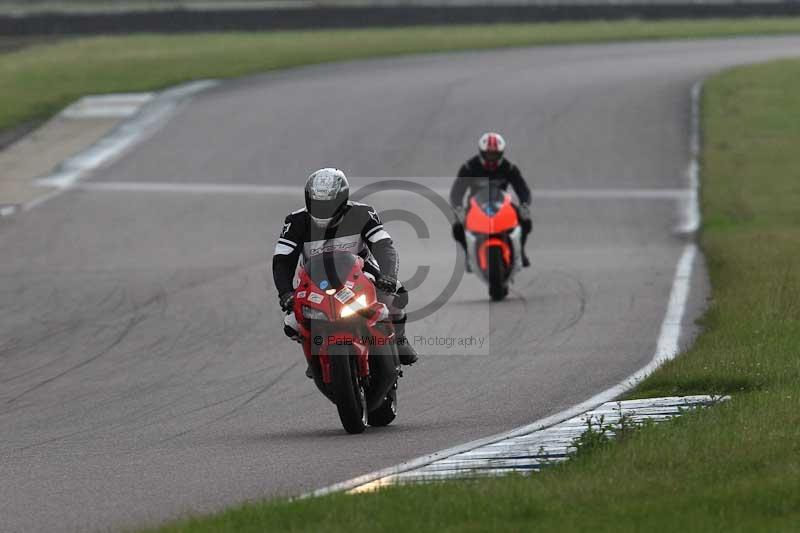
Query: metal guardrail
{"type": "Point", "coordinates": [291, 15]}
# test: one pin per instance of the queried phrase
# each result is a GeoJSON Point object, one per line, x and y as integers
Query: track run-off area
{"type": "Point", "coordinates": [143, 370]}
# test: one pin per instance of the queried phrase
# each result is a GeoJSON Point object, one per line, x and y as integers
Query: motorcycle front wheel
{"type": "Point", "coordinates": [497, 277]}
{"type": "Point", "coordinates": [387, 412]}
{"type": "Point", "coordinates": [351, 399]}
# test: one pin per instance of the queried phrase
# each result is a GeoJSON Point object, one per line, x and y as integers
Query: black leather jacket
{"type": "Point", "coordinates": [359, 231]}
{"type": "Point", "coordinates": [472, 175]}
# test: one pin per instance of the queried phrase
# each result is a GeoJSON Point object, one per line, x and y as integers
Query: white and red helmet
{"type": "Point", "coordinates": [491, 148]}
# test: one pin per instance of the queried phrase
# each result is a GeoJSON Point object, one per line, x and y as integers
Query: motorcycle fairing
{"type": "Point", "coordinates": [479, 221]}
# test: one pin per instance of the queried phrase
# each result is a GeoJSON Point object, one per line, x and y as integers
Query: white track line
{"type": "Point", "coordinates": [690, 222]}
{"type": "Point", "coordinates": [667, 348]}
{"type": "Point", "coordinates": [188, 188]}
{"type": "Point", "coordinates": [212, 188]}
{"type": "Point", "coordinates": [613, 194]}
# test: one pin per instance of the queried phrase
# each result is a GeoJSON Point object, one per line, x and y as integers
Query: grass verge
{"type": "Point", "coordinates": [735, 467]}
{"type": "Point", "coordinates": [41, 79]}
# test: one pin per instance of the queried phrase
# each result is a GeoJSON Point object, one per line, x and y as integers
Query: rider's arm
{"type": "Point", "coordinates": [520, 186]}
{"type": "Point", "coordinates": [460, 186]}
{"type": "Point", "coordinates": [287, 253]}
{"type": "Point", "coordinates": [380, 244]}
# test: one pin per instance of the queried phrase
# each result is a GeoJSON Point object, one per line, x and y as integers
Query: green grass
{"type": "Point", "coordinates": [735, 467]}
{"type": "Point", "coordinates": [41, 79]}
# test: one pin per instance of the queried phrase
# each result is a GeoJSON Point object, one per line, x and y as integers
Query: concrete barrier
{"type": "Point", "coordinates": [356, 16]}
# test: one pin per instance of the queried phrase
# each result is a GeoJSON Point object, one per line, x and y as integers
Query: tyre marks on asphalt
{"type": "Point", "coordinates": [146, 351]}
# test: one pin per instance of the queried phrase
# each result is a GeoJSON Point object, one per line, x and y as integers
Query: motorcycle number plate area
{"type": "Point", "coordinates": [315, 298]}
{"type": "Point", "coordinates": [344, 295]}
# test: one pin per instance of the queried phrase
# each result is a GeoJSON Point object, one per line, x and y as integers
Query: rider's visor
{"type": "Point", "coordinates": [323, 208]}
{"type": "Point", "coordinates": [492, 157]}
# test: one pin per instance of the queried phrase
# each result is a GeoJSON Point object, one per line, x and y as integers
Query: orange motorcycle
{"type": "Point", "coordinates": [494, 239]}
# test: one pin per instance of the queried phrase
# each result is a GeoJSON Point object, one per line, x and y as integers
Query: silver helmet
{"type": "Point", "coordinates": [327, 192]}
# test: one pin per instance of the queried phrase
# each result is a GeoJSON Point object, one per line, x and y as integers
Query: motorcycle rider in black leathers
{"type": "Point", "coordinates": [490, 165]}
{"type": "Point", "coordinates": [330, 222]}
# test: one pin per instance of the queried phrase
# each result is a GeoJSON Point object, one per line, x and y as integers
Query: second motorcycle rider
{"type": "Point", "coordinates": [490, 166]}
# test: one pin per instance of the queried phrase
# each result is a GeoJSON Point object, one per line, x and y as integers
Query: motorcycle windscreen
{"type": "Point", "coordinates": [490, 199]}
{"type": "Point", "coordinates": [330, 270]}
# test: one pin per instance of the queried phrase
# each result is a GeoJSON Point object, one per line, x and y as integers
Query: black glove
{"type": "Point", "coordinates": [386, 284]}
{"type": "Point", "coordinates": [287, 301]}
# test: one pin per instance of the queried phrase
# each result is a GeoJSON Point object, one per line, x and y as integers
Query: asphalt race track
{"type": "Point", "coordinates": [143, 372]}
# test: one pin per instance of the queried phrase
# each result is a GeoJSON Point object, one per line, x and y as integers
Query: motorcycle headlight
{"type": "Point", "coordinates": [354, 307]}
{"type": "Point", "coordinates": [313, 314]}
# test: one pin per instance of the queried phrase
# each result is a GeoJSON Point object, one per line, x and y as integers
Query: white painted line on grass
{"type": "Point", "coordinates": [667, 348]}
{"type": "Point", "coordinates": [548, 446]}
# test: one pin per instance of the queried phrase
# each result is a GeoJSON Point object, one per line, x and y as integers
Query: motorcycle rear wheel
{"type": "Point", "coordinates": [351, 400]}
{"type": "Point", "coordinates": [497, 278]}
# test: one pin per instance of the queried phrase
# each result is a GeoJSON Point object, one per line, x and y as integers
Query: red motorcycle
{"type": "Point", "coordinates": [494, 239]}
{"type": "Point", "coordinates": [348, 340]}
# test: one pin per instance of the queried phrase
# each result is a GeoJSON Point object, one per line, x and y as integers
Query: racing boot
{"type": "Point", "coordinates": [525, 261]}
{"type": "Point", "coordinates": [406, 352]}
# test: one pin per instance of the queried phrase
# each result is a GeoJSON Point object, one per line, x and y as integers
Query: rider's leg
{"type": "Point", "coordinates": [526, 224]}
{"type": "Point", "coordinates": [458, 234]}
{"type": "Point", "coordinates": [292, 330]}
{"type": "Point", "coordinates": [408, 355]}
{"type": "Point", "coordinates": [460, 238]}
{"type": "Point", "coordinates": [395, 304]}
